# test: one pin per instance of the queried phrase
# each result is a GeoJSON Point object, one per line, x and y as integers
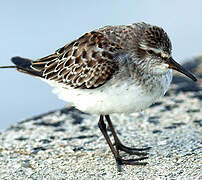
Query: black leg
{"type": "Point", "coordinates": [115, 152]}
{"type": "Point", "coordinates": [120, 146]}
{"type": "Point", "coordinates": [103, 129]}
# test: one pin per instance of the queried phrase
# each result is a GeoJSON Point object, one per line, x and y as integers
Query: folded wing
{"type": "Point", "coordinates": [87, 62]}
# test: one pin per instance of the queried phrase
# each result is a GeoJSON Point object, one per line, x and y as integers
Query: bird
{"type": "Point", "coordinates": [113, 69]}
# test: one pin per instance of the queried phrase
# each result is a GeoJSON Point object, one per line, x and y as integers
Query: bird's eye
{"type": "Point", "coordinates": [150, 51]}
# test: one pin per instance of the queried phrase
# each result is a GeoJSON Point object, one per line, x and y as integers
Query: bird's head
{"type": "Point", "coordinates": [154, 48]}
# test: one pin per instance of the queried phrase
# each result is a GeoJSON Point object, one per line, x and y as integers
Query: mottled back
{"type": "Point", "coordinates": [91, 60]}
{"type": "Point", "coordinates": [85, 63]}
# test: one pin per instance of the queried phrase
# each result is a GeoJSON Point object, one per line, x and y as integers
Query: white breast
{"type": "Point", "coordinates": [113, 96]}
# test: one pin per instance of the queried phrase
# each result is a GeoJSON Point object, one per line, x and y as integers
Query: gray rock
{"type": "Point", "coordinates": [67, 144]}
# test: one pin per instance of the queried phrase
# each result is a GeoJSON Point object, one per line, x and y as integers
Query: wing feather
{"type": "Point", "coordinates": [87, 62]}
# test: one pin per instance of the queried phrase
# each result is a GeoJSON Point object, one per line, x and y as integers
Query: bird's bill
{"type": "Point", "coordinates": [174, 65]}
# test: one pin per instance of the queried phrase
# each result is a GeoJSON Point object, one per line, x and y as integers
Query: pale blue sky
{"type": "Point", "coordinates": [37, 28]}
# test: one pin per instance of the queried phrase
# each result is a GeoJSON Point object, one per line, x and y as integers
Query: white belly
{"type": "Point", "coordinates": [119, 97]}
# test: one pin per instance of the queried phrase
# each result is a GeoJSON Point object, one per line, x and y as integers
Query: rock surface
{"type": "Point", "coordinates": [67, 144]}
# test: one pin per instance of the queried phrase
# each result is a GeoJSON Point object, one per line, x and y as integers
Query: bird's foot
{"type": "Point", "coordinates": [132, 151]}
{"type": "Point", "coordinates": [136, 161]}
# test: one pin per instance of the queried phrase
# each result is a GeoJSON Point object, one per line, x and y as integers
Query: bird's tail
{"type": "Point", "coordinates": [23, 65]}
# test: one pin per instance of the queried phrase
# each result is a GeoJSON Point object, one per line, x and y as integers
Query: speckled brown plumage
{"type": "Point", "coordinates": [86, 62]}
{"type": "Point", "coordinates": [91, 60]}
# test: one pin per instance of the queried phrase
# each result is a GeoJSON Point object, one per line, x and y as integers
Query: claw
{"type": "Point", "coordinates": [121, 161]}
{"type": "Point", "coordinates": [132, 151]}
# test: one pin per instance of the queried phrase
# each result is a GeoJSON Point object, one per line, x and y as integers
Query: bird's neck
{"type": "Point", "coordinates": [144, 77]}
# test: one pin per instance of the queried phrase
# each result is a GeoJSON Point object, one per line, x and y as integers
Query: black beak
{"type": "Point", "coordinates": [174, 65]}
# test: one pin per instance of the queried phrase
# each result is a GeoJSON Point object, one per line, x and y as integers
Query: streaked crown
{"type": "Point", "coordinates": [154, 39]}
